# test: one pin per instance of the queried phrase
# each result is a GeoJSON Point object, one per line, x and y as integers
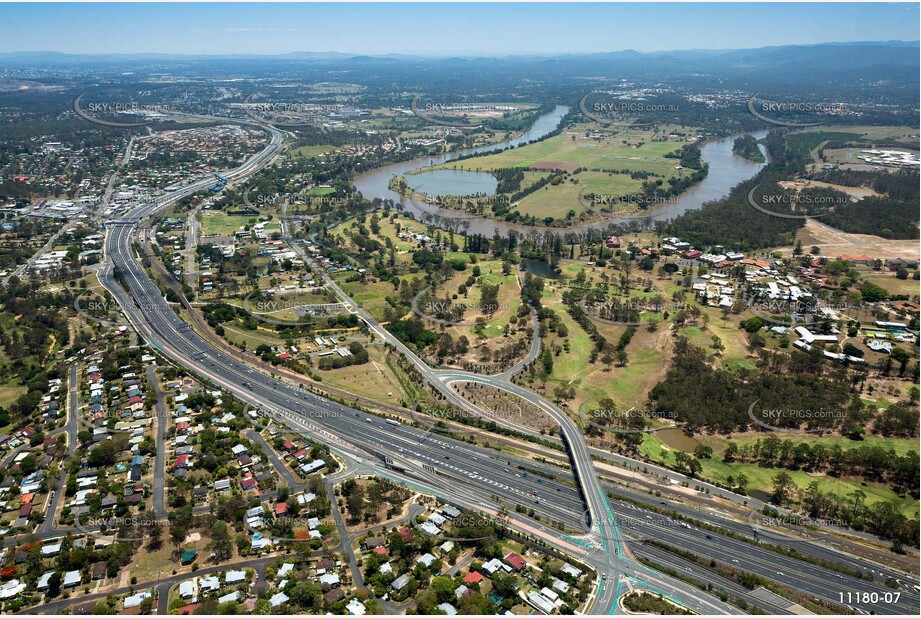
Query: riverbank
{"type": "Point", "coordinates": [725, 171]}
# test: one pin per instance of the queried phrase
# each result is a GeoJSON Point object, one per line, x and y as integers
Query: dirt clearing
{"type": "Point", "coordinates": [835, 243]}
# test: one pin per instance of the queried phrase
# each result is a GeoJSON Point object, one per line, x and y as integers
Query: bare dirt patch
{"type": "Point", "coordinates": [834, 243]}
{"type": "Point", "coordinates": [855, 192]}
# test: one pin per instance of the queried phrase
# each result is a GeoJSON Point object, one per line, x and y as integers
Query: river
{"type": "Point", "coordinates": [726, 171]}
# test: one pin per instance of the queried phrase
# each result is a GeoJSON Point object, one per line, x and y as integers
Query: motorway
{"type": "Point", "coordinates": [459, 471]}
{"type": "Point", "coordinates": [344, 428]}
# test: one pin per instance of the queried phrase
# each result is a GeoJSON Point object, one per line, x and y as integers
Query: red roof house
{"type": "Point", "coordinates": [473, 577]}
{"type": "Point", "coordinates": [515, 561]}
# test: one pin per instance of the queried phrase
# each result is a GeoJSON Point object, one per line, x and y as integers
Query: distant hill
{"type": "Point", "coordinates": [788, 64]}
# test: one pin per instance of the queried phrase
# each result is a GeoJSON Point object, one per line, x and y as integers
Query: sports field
{"type": "Point", "coordinates": [216, 223]}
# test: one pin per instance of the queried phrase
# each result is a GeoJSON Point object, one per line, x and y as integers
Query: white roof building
{"type": "Point", "coordinates": [495, 565]}
{"type": "Point", "coordinates": [571, 570]}
{"type": "Point", "coordinates": [136, 599]}
{"type": "Point", "coordinates": [51, 550]}
{"type": "Point", "coordinates": [234, 577]}
{"type": "Point", "coordinates": [188, 590]}
{"type": "Point", "coordinates": [44, 581]}
{"type": "Point", "coordinates": [285, 569]}
{"type": "Point", "coordinates": [356, 607]}
{"type": "Point", "coordinates": [540, 602]}
{"type": "Point", "coordinates": [11, 589]}
{"type": "Point", "coordinates": [71, 579]}
{"type": "Point", "coordinates": [430, 528]}
{"type": "Point", "coordinates": [278, 599]}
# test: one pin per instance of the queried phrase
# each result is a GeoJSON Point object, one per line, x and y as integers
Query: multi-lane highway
{"type": "Point", "coordinates": [450, 468]}
{"type": "Point", "coordinates": [350, 432]}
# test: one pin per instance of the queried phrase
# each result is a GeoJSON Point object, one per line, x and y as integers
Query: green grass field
{"type": "Point", "coordinates": [285, 306]}
{"type": "Point", "coordinates": [508, 298]}
{"type": "Point", "coordinates": [735, 354]}
{"type": "Point", "coordinates": [889, 282]}
{"type": "Point", "coordinates": [569, 151]}
{"type": "Point", "coordinates": [312, 151]}
{"type": "Point", "coordinates": [550, 200]}
{"type": "Point", "coordinates": [216, 223]}
{"type": "Point", "coordinates": [900, 445]}
{"type": "Point", "coordinates": [374, 379]}
{"type": "Point", "coordinates": [387, 230]}
{"type": "Point", "coordinates": [609, 153]}
{"type": "Point", "coordinates": [760, 479]}
{"type": "Point", "coordinates": [370, 295]}
{"type": "Point", "coordinates": [10, 392]}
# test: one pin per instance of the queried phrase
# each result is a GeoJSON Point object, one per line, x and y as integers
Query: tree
{"type": "Point", "coordinates": [703, 451]}
{"type": "Point", "coordinates": [782, 484]}
{"type": "Point", "coordinates": [221, 542]}
{"type": "Point", "coordinates": [54, 584]}
{"type": "Point", "coordinates": [732, 450]}
{"type": "Point", "coordinates": [902, 356]}
{"type": "Point", "coordinates": [155, 534]}
{"type": "Point", "coordinates": [503, 584]}
{"type": "Point", "coordinates": [356, 503]}
{"type": "Point", "coordinates": [443, 587]}
{"type": "Point", "coordinates": [742, 483]}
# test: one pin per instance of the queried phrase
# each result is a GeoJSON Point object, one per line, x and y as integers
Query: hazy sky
{"type": "Point", "coordinates": [436, 28]}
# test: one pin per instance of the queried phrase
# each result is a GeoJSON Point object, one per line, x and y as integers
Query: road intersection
{"type": "Point", "coordinates": [408, 455]}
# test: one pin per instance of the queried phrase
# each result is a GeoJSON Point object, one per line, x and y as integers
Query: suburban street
{"type": "Point", "coordinates": [408, 454]}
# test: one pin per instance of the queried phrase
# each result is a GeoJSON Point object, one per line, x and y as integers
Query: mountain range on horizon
{"type": "Point", "coordinates": [624, 54]}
